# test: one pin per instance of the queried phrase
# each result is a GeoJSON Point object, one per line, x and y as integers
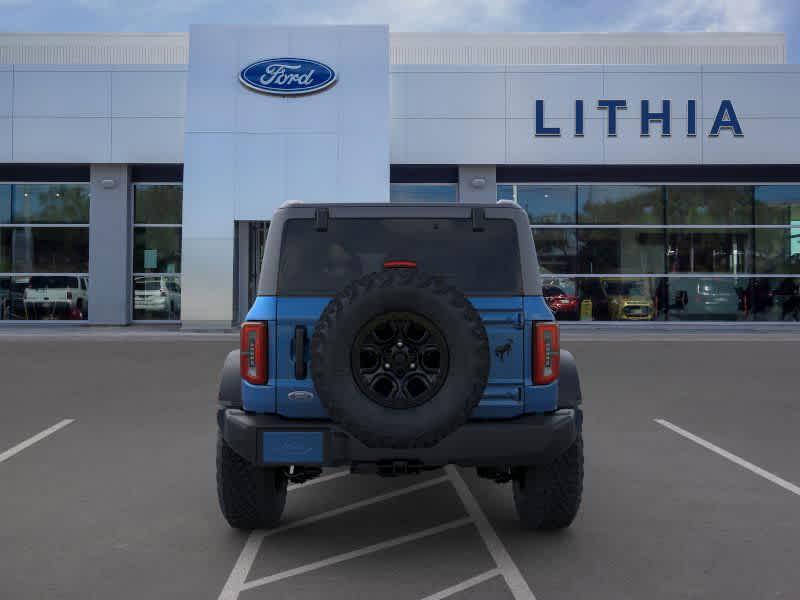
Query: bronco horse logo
{"type": "Point", "coordinates": [501, 351]}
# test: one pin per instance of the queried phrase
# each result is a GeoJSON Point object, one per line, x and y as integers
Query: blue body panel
{"type": "Point", "coordinates": [291, 313]}
{"type": "Point", "coordinates": [509, 392]}
{"type": "Point", "coordinates": [292, 447]}
{"type": "Point", "coordinates": [265, 308]}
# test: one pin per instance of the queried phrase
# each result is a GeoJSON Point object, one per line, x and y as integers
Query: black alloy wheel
{"type": "Point", "coordinates": [400, 360]}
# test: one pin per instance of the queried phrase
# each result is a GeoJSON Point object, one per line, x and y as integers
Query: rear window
{"type": "Point", "coordinates": [323, 262]}
{"type": "Point", "coordinates": [710, 287]}
{"type": "Point", "coordinates": [625, 288]}
{"type": "Point", "coordinates": [38, 282]}
{"type": "Point", "coordinates": [147, 285]}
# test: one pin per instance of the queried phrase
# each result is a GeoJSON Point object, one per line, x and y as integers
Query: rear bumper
{"type": "Point", "coordinates": [528, 440]}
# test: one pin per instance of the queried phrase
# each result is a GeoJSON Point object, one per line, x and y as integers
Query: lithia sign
{"type": "Point", "coordinates": [725, 120]}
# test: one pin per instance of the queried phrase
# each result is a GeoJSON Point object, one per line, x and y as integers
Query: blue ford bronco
{"type": "Point", "coordinates": [395, 339]}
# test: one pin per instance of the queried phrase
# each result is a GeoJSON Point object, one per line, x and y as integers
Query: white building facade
{"type": "Point", "coordinates": [138, 173]}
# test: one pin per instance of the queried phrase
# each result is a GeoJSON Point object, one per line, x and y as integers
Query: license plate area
{"type": "Point", "coordinates": [293, 447]}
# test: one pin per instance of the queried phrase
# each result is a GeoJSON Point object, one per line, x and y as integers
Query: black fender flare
{"type": "Point", "coordinates": [230, 382]}
{"type": "Point", "coordinates": [569, 385]}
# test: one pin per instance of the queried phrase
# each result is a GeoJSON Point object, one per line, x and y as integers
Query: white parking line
{"type": "Point", "coordinates": [316, 480]}
{"type": "Point", "coordinates": [355, 505]}
{"type": "Point", "coordinates": [234, 584]}
{"type": "Point", "coordinates": [464, 585]}
{"type": "Point", "coordinates": [731, 457]}
{"type": "Point", "coordinates": [514, 579]}
{"type": "Point", "coordinates": [357, 553]}
{"type": "Point", "coordinates": [33, 439]}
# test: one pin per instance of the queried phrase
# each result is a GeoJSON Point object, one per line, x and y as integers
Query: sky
{"type": "Point", "coordinates": [414, 15]}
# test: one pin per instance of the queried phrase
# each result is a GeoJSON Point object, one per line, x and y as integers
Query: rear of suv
{"type": "Point", "coordinates": [396, 339]}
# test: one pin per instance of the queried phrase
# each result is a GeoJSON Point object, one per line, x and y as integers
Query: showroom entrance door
{"type": "Point", "coordinates": [257, 240]}
{"type": "Point", "coordinates": [250, 239]}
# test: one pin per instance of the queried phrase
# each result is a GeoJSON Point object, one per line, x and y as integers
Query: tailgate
{"type": "Point", "coordinates": [503, 319]}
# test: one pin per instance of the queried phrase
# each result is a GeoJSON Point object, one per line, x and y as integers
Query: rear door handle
{"type": "Point", "coordinates": [300, 369]}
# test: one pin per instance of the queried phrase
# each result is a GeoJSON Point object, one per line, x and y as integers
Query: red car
{"type": "Point", "coordinates": [563, 305]}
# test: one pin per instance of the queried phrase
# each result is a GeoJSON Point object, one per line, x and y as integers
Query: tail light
{"type": "Point", "coordinates": [546, 352]}
{"type": "Point", "coordinates": [400, 264]}
{"type": "Point", "coordinates": [253, 353]}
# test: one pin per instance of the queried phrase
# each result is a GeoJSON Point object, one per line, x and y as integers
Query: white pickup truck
{"type": "Point", "coordinates": [56, 296]}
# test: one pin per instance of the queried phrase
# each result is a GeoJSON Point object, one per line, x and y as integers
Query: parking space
{"type": "Point", "coordinates": [121, 501]}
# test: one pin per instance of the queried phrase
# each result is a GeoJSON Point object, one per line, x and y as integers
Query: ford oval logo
{"type": "Point", "coordinates": [287, 76]}
{"type": "Point", "coordinates": [300, 396]}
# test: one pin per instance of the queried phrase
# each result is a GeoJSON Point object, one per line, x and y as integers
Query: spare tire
{"type": "Point", "coordinates": [399, 359]}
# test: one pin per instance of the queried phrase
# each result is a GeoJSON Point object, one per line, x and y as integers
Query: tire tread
{"type": "Point", "coordinates": [548, 497]}
{"type": "Point", "coordinates": [250, 497]}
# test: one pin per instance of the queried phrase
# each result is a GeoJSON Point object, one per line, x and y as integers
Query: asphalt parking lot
{"type": "Point", "coordinates": [107, 484]}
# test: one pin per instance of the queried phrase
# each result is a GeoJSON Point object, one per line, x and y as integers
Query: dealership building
{"type": "Point", "coordinates": [139, 172]}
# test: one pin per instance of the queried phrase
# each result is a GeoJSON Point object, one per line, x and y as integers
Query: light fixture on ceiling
{"type": "Point", "coordinates": [478, 182]}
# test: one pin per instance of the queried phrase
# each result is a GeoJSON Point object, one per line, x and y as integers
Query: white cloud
{"type": "Point", "coordinates": [705, 15]}
{"type": "Point", "coordinates": [414, 15]}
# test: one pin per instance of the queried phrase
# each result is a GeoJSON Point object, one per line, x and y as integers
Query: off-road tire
{"type": "Point", "coordinates": [548, 497]}
{"type": "Point", "coordinates": [402, 290]}
{"type": "Point", "coordinates": [250, 497]}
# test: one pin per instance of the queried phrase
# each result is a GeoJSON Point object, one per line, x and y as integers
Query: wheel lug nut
{"type": "Point", "coordinates": [387, 366]}
{"type": "Point", "coordinates": [413, 366]}
{"type": "Point", "coordinates": [399, 344]}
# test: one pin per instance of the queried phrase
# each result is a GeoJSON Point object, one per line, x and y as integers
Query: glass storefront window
{"type": "Point", "coordinates": [556, 249]}
{"type": "Point", "coordinates": [423, 192]}
{"type": "Point", "coordinates": [5, 203]}
{"type": "Point", "coordinates": [707, 299]}
{"type": "Point", "coordinates": [778, 250]}
{"type": "Point", "coordinates": [709, 205]}
{"type": "Point", "coordinates": [505, 192]}
{"type": "Point", "coordinates": [774, 299]}
{"type": "Point", "coordinates": [44, 251]}
{"type": "Point", "coordinates": [673, 298]}
{"type": "Point", "coordinates": [156, 297]}
{"type": "Point", "coordinates": [50, 203]}
{"type": "Point", "coordinates": [777, 205]}
{"type": "Point", "coordinates": [710, 250]}
{"type": "Point", "coordinates": [158, 204]}
{"type": "Point", "coordinates": [561, 295]}
{"type": "Point", "coordinates": [621, 298]}
{"type": "Point", "coordinates": [157, 214]}
{"type": "Point", "coordinates": [719, 252]}
{"type": "Point", "coordinates": [44, 297]}
{"type": "Point", "coordinates": [620, 204]}
{"type": "Point", "coordinates": [548, 205]}
{"type": "Point", "coordinates": [620, 251]}
{"type": "Point", "coordinates": [157, 250]}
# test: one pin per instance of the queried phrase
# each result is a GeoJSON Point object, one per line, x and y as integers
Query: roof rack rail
{"type": "Point", "coordinates": [289, 203]}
